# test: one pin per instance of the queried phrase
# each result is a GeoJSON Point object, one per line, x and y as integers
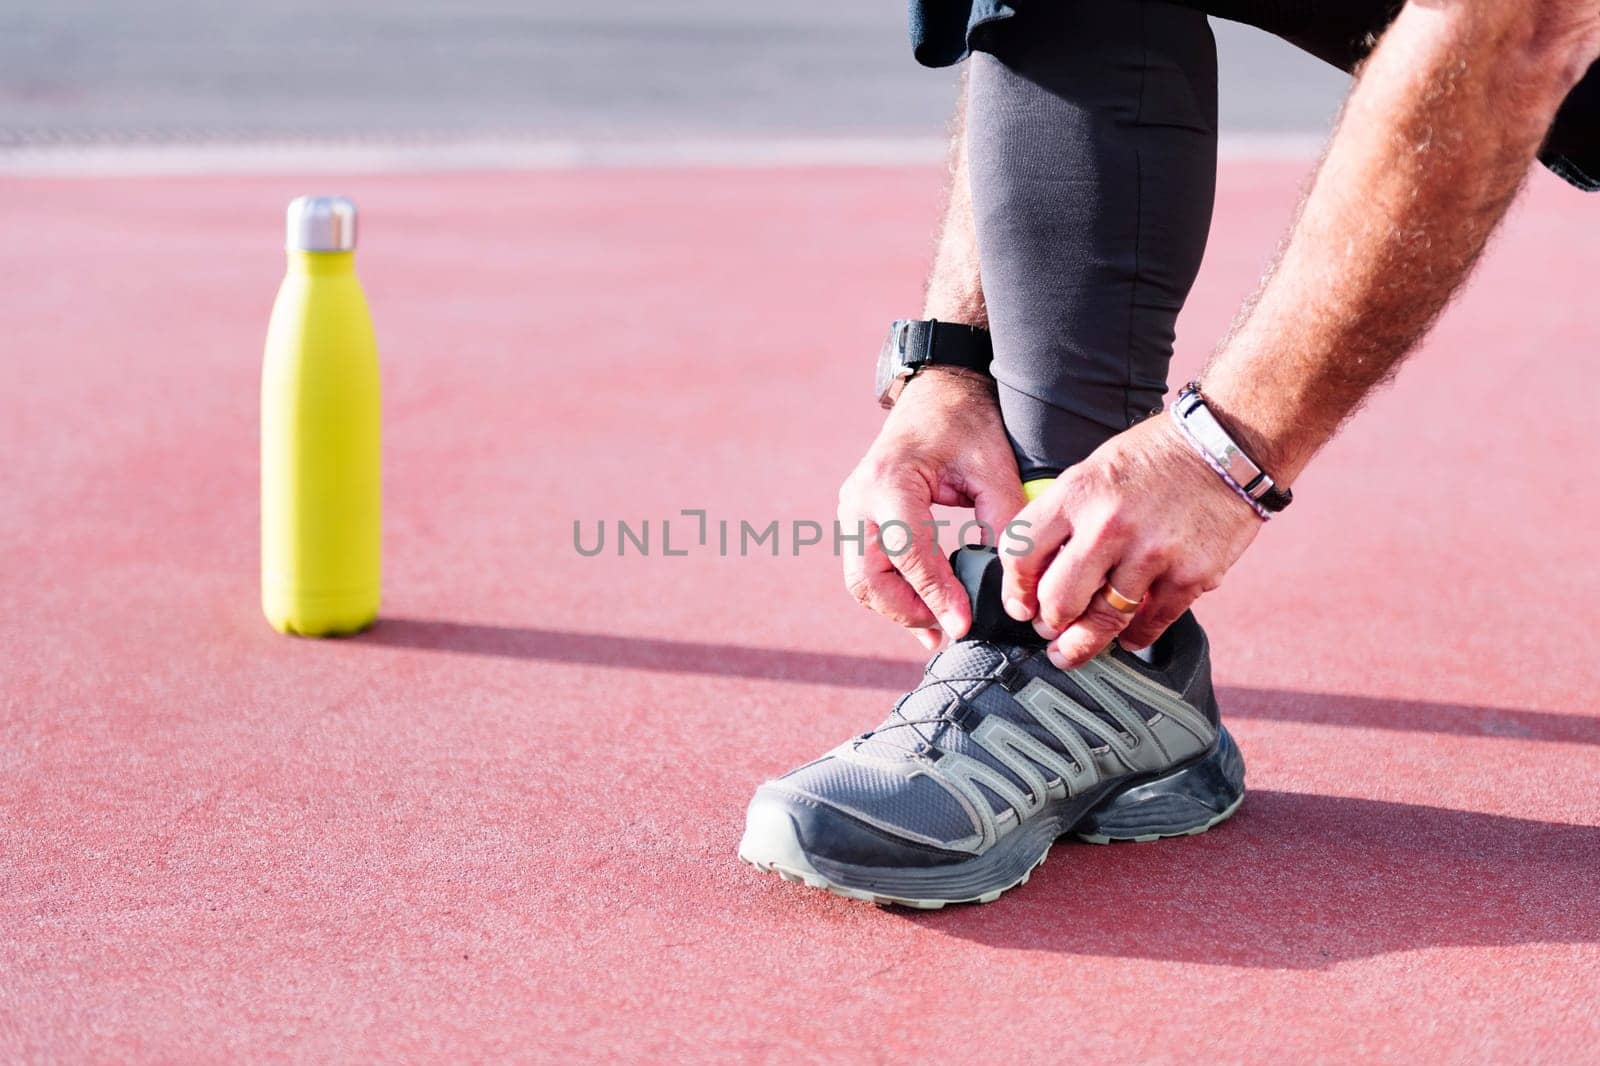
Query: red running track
{"type": "Point", "coordinates": [503, 823]}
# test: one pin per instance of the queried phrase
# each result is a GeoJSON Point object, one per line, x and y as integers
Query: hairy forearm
{"type": "Point", "coordinates": [955, 293]}
{"type": "Point", "coordinates": [1431, 149]}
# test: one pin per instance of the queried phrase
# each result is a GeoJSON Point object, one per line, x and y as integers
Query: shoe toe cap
{"type": "Point", "coordinates": [771, 840]}
{"type": "Point", "coordinates": [787, 830]}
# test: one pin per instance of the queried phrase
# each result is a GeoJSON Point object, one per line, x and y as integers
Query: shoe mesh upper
{"type": "Point", "coordinates": [917, 805]}
{"type": "Point", "coordinates": [958, 682]}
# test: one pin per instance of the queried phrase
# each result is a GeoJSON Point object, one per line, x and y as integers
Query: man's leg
{"type": "Point", "coordinates": [1092, 152]}
{"type": "Point", "coordinates": [1091, 147]}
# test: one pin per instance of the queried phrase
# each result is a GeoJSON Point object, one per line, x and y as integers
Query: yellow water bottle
{"type": "Point", "coordinates": [321, 482]}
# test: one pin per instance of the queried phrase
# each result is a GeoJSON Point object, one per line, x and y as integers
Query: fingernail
{"type": "Point", "coordinates": [928, 641]}
{"type": "Point", "coordinates": [1055, 656]}
{"type": "Point", "coordinates": [1015, 609]}
{"type": "Point", "coordinates": [1043, 630]}
{"type": "Point", "coordinates": [953, 625]}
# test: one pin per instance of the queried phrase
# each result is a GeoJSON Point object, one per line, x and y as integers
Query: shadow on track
{"type": "Point", "coordinates": [1302, 881]}
{"type": "Point", "coordinates": [645, 653]}
{"type": "Point", "coordinates": [897, 675]}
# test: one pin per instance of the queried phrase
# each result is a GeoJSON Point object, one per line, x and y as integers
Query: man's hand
{"type": "Point", "coordinates": [942, 443]}
{"type": "Point", "coordinates": [1144, 514]}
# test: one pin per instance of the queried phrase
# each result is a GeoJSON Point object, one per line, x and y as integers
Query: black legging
{"type": "Point", "coordinates": [1092, 139]}
{"type": "Point", "coordinates": [1092, 144]}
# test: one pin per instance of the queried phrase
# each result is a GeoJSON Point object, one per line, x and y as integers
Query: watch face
{"type": "Point", "coordinates": [891, 362]}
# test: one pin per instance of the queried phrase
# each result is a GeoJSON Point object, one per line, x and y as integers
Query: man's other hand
{"type": "Point", "coordinates": [1143, 514]}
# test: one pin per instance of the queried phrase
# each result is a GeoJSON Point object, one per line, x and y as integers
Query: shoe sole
{"type": "Point", "coordinates": [1183, 801]}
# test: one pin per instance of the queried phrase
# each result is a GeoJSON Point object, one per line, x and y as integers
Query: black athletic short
{"type": "Point", "coordinates": [1340, 32]}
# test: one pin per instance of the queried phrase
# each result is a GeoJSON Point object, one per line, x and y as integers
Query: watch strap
{"type": "Point", "coordinates": [929, 342]}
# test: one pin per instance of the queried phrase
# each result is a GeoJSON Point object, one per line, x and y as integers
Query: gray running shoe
{"type": "Point", "coordinates": [960, 793]}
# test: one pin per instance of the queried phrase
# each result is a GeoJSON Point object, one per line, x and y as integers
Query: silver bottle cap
{"type": "Point", "coordinates": [321, 224]}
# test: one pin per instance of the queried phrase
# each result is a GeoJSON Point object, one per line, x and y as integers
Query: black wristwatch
{"type": "Point", "coordinates": [915, 343]}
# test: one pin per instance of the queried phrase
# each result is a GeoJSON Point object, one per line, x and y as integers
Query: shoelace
{"type": "Point", "coordinates": [944, 717]}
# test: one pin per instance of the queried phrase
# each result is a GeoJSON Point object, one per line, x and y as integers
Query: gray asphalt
{"type": "Point", "coordinates": [162, 69]}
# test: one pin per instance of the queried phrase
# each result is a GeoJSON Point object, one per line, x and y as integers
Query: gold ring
{"type": "Point", "coordinates": [1120, 603]}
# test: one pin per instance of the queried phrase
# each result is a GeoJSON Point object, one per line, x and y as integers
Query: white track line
{"type": "Point", "coordinates": [139, 159]}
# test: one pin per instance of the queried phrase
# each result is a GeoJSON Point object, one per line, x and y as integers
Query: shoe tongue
{"type": "Point", "coordinates": [980, 573]}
